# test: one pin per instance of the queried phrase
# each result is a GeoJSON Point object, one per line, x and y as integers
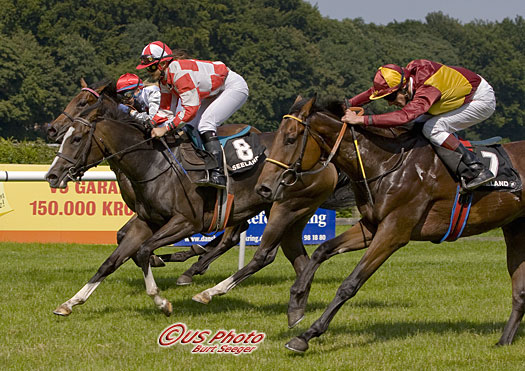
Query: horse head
{"type": "Point", "coordinates": [81, 149]}
{"type": "Point", "coordinates": [293, 153]}
{"type": "Point", "coordinates": [85, 98]}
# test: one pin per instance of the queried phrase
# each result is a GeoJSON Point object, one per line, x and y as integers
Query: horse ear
{"type": "Point", "coordinates": [83, 83]}
{"type": "Point", "coordinates": [307, 108]}
{"type": "Point", "coordinates": [299, 98]}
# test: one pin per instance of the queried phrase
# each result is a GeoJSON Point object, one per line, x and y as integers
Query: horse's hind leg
{"type": "Point", "coordinates": [515, 240]}
{"type": "Point", "coordinates": [137, 232]}
{"type": "Point", "coordinates": [355, 238]}
{"type": "Point", "coordinates": [230, 238]}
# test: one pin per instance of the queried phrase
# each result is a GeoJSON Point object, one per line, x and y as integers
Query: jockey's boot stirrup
{"type": "Point", "coordinates": [215, 177]}
{"type": "Point", "coordinates": [473, 174]}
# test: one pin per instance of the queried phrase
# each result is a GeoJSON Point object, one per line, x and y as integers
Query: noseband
{"type": "Point", "coordinates": [294, 170]}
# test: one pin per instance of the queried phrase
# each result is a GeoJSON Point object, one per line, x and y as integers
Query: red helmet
{"type": "Point", "coordinates": [153, 53]}
{"type": "Point", "coordinates": [388, 79]}
{"type": "Point", "coordinates": [128, 81]}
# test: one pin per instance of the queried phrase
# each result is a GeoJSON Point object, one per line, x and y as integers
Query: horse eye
{"type": "Point", "coordinates": [289, 140]}
{"type": "Point", "coordinates": [76, 139]}
{"type": "Point", "coordinates": [82, 102]}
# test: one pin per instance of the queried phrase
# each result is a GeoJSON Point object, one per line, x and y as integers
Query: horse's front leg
{"type": "Point", "coordinates": [215, 248]}
{"type": "Point", "coordinates": [279, 223]}
{"type": "Point", "coordinates": [386, 241]}
{"type": "Point", "coordinates": [356, 238]}
{"type": "Point", "coordinates": [137, 232]}
{"type": "Point", "coordinates": [175, 230]}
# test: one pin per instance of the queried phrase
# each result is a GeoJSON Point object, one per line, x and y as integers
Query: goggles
{"type": "Point", "coordinates": [126, 95]}
{"type": "Point", "coordinates": [152, 68]}
{"type": "Point", "coordinates": [391, 97]}
{"type": "Point", "coordinates": [145, 59]}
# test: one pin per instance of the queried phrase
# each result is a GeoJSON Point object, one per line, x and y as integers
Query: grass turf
{"type": "Point", "coordinates": [428, 307]}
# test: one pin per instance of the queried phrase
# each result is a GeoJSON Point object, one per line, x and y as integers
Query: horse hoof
{"type": "Point", "coordinates": [156, 262]}
{"type": "Point", "coordinates": [62, 310]}
{"type": "Point", "coordinates": [297, 344]}
{"type": "Point", "coordinates": [203, 298]}
{"type": "Point", "coordinates": [294, 317]}
{"type": "Point", "coordinates": [184, 280]}
{"type": "Point", "coordinates": [167, 309]}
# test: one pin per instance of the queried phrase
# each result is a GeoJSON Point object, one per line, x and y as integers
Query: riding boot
{"type": "Point", "coordinates": [472, 171]}
{"type": "Point", "coordinates": [215, 177]}
{"type": "Point", "coordinates": [465, 166]}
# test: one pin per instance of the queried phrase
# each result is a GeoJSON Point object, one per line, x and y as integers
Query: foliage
{"type": "Point", "coordinates": [25, 152]}
{"type": "Point", "coordinates": [282, 48]}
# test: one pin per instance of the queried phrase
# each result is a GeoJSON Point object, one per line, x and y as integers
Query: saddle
{"type": "Point", "coordinates": [243, 151]}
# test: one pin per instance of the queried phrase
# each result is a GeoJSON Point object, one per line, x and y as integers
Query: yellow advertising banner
{"type": "Point", "coordinates": [84, 212]}
{"type": "Point", "coordinates": [4, 204]}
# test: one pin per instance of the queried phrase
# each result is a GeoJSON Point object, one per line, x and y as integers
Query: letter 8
{"type": "Point", "coordinates": [243, 149]}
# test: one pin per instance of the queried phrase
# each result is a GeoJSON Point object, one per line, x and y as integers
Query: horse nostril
{"type": "Point", "coordinates": [264, 191]}
{"type": "Point", "coordinates": [51, 178]}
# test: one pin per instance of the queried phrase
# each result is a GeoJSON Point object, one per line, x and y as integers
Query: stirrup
{"type": "Point", "coordinates": [483, 177]}
{"type": "Point", "coordinates": [210, 182]}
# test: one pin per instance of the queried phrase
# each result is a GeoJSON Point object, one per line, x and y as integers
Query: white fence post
{"type": "Point", "coordinates": [242, 249]}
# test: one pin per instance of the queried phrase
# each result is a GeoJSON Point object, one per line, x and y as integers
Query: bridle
{"type": "Point", "coordinates": [94, 92]}
{"type": "Point", "coordinates": [79, 167]}
{"type": "Point", "coordinates": [294, 171]}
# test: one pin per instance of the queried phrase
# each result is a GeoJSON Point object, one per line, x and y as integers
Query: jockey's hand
{"type": "Point", "coordinates": [159, 132]}
{"type": "Point", "coordinates": [352, 118]}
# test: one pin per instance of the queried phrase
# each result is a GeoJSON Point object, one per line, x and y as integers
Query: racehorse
{"type": "Point", "coordinates": [168, 204]}
{"type": "Point", "coordinates": [88, 96]}
{"type": "Point", "coordinates": [410, 197]}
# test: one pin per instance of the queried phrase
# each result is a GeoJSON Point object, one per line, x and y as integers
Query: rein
{"type": "Point", "coordinates": [77, 170]}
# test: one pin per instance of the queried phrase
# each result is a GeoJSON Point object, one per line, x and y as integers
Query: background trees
{"type": "Point", "coordinates": [281, 47]}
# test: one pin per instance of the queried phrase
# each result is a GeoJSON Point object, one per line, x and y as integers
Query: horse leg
{"type": "Point", "coordinates": [293, 247]}
{"type": "Point", "coordinates": [123, 230]}
{"type": "Point", "coordinates": [176, 229]}
{"type": "Point", "coordinates": [275, 229]}
{"type": "Point", "coordinates": [230, 238]}
{"type": "Point", "coordinates": [384, 244]}
{"type": "Point", "coordinates": [356, 238]}
{"type": "Point", "coordinates": [194, 250]}
{"type": "Point", "coordinates": [137, 232]}
{"type": "Point", "coordinates": [515, 239]}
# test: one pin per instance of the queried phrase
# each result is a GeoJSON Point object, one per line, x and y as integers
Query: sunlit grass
{"type": "Point", "coordinates": [429, 307]}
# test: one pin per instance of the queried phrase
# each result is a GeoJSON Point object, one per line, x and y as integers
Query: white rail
{"type": "Point", "coordinates": [40, 176]}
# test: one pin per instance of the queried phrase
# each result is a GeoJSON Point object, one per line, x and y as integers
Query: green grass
{"type": "Point", "coordinates": [429, 307]}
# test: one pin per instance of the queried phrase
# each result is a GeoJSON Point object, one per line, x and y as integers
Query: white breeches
{"type": "Point", "coordinates": [217, 109]}
{"type": "Point", "coordinates": [439, 127]}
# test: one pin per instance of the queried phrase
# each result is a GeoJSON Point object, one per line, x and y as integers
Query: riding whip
{"type": "Point", "coordinates": [369, 193]}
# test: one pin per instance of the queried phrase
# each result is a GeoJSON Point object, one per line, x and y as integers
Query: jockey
{"type": "Point", "coordinates": [142, 102]}
{"type": "Point", "coordinates": [450, 98]}
{"type": "Point", "coordinates": [209, 93]}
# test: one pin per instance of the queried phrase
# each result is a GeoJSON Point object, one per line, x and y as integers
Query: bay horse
{"type": "Point", "coordinates": [412, 194]}
{"type": "Point", "coordinates": [88, 96]}
{"type": "Point", "coordinates": [168, 204]}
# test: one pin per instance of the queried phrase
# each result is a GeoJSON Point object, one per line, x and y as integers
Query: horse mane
{"type": "Point", "coordinates": [334, 109]}
{"type": "Point", "coordinates": [108, 108]}
{"type": "Point", "coordinates": [109, 87]}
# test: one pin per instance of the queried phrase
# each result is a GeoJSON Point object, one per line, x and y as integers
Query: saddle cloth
{"type": "Point", "coordinates": [243, 151]}
{"type": "Point", "coordinates": [497, 160]}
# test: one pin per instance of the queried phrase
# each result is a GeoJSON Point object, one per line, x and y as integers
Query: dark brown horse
{"type": "Point", "coordinates": [169, 207]}
{"type": "Point", "coordinates": [410, 202]}
{"type": "Point", "coordinates": [88, 96]}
